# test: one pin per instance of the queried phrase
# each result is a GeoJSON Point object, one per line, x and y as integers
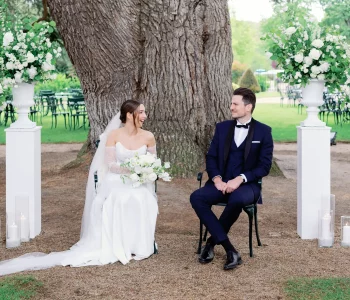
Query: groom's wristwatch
{"type": "Point", "coordinates": [243, 177]}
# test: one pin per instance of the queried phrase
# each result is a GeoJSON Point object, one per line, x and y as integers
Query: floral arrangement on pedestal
{"type": "Point", "coordinates": [26, 53]}
{"type": "Point", "coordinates": [306, 51]}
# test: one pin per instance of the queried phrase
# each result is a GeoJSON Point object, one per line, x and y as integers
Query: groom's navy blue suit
{"type": "Point", "coordinates": [253, 158]}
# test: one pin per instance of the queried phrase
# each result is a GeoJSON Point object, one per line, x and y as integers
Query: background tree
{"type": "Point", "coordinates": [337, 12]}
{"type": "Point", "coordinates": [175, 56]}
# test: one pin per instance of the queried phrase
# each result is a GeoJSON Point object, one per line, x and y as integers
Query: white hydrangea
{"type": "Point", "coordinates": [32, 72]}
{"type": "Point", "coordinates": [297, 75]}
{"type": "Point", "coordinates": [306, 36]}
{"type": "Point", "coordinates": [18, 77]}
{"type": "Point", "coordinates": [299, 58]}
{"type": "Point", "coordinates": [10, 65]}
{"type": "Point", "coordinates": [290, 30]}
{"type": "Point", "coordinates": [315, 70]}
{"type": "Point", "coordinates": [308, 60]}
{"type": "Point", "coordinates": [8, 39]}
{"type": "Point", "coordinates": [48, 57]}
{"type": "Point", "coordinates": [321, 77]}
{"type": "Point", "coordinates": [315, 54]}
{"type": "Point", "coordinates": [1, 89]}
{"type": "Point", "coordinates": [324, 67]}
{"type": "Point", "coordinates": [30, 57]}
{"type": "Point", "coordinates": [317, 43]}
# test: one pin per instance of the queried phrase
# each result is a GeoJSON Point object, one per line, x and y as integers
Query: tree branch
{"type": "Point", "coordinates": [45, 16]}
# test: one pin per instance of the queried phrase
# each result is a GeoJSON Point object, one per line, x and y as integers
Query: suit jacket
{"type": "Point", "coordinates": [257, 154]}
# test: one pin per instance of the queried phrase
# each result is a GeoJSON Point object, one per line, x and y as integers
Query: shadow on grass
{"type": "Point", "coordinates": [321, 289]}
{"type": "Point", "coordinates": [19, 287]}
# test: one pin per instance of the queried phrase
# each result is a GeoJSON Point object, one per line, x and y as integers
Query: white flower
{"type": "Point", "coordinates": [48, 57]}
{"type": "Point", "coordinates": [268, 54]}
{"type": "Point", "coordinates": [30, 57]}
{"type": "Point", "coordinates": [290, 30]}
{"type": "Point", "coordinates": [147, 159]}
{"type": "Point", "coordinates": [8, 39]}
{"type": "Point", "coordinates": [315, 70]}
{"type": "Point", "coordinates": [1, 90]}
{"type": "Point", "coordinates": [299, 58]}
{"type": "Point", "coordinates": [336, 26]}
{"type": "Point", "coordinates": [297, 75]}
{"type": "Point", "coordinates": [137, 169]}
{"type": "Point", "coordinates": [47, 67]}
{"type": "Point", "coordinates": [306, 37]}
{"type": "Point", "coordinates": [134, 177]}
{"type": "Point", "coordinates": [307, 60]}
{"type": "Point", "coordinates": [315, 54]}
{"type": "Point", "coordinates": [321, 77]}
{"type": "Point", "coordinates": [18, 77]}
{"type": "Point", "coordinates": [52, 76]}
{"type": "Point", "coordinates": [48, 43]}
{"type": "Point", "coordinates": [59, 49]}
{"type": "Point", "coordinates": [10, 65]}
{"type": "Point", "coordinates": [287, 61]}
{"type": "Point", "coordinates": [324, 67]}
{"type": "Point", "coordinates": [317, 43]}
{"type": "Point", "coordinates": [15, 48]}
{"type": "Point", "coordinates": [157, 163]}
{"type": "Point", "coordinates": [32, 72]}
{"type": "Point", "coordinates": [152, 176]}
{"type": "Point", "coordinates": [136, 184]}
{"type": "Point", "coordinates": [333, 54]}
{"type": "Point", "coordinates": [167, 165]}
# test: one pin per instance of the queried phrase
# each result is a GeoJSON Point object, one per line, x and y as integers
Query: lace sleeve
{"type": "Point", "coordinates": [111, 162]}
{"type": "Point", "coordinates": [152, 150]}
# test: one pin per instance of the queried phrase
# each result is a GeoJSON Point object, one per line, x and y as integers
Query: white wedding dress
{"type": "Point", "coordinates": [118, 223]}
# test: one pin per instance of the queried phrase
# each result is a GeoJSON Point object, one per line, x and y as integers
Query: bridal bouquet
{"type": "Point", "coordinates": [145, 168]}
{"type": "Point", "coordinates": [305, 51]}
{"type": "Point", "coordinates": [26, 52]}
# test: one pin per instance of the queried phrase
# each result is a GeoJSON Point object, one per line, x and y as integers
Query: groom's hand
{"type": "Point", "coordinates": [233, 184]}
{"type": "Point", "coordinates": [219, 184]}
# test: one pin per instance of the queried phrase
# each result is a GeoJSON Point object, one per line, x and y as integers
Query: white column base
{"type": "Point", "coordinates": [313, 178]}
{"type": "Point", "coordinates": [23, 172]}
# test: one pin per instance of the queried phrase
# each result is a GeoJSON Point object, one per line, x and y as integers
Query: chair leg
{"type": "Point", "coordinates": [250, 235]}
{"type": "Point", "coordinates": [200, 237]}
{"type": "Point", "coordinates": [256, 224]}
{"type": "Point", "coordinates": [155, 251]}
{"type": "Point", "coordinates": [205, 234]}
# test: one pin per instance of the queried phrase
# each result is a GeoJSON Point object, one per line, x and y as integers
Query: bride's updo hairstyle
{"type": "Point", "coordinates": [129, 106]}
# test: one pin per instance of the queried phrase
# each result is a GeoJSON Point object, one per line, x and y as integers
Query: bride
{"type": "Point", "coordinates": [119, 220]}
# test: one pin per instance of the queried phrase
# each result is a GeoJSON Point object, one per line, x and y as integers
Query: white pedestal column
{"type": "Point", "coordinates": [23, 172]}
{"type": "Point", "coordinates": [313, 178]}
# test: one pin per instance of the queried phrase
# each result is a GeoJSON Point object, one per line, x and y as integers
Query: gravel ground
{"type": "Point", "coordinates": [174, 273]}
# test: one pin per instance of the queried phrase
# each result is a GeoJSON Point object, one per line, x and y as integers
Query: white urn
{"type": "Point", "coordinates": [23, 99]}
{"type": "Point", "coordinates": [313, 98]}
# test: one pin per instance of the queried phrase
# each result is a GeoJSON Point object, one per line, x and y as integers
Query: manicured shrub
{"type": "Point", "coordinates": [248, 80]}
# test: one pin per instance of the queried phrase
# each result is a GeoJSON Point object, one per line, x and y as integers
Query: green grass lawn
{"type": "Point", "coordinates": [19, 287]}
{"type": "Point", "coordinates": [283, 121]}
{"type": "Point", "coordinates": [320, 289]}
{"type": "Point", "coordinates": [55, 135]}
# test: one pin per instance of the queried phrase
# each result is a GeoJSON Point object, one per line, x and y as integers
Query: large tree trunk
{"type": "Point", "coordinates": [175, 56]}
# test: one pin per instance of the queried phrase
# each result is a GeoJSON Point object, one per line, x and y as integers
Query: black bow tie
{"type": "Point", "coordinates": [246, 126]}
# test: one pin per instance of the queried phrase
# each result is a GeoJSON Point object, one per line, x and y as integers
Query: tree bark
{"type": "Point", "coordinates": [174, 56]}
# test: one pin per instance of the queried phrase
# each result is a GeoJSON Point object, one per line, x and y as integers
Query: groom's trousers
{"type": "Point", "coordinates": [203, 199]}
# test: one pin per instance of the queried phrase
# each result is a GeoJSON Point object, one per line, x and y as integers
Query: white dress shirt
{"type": "Point", "coordinates": [241, 133]}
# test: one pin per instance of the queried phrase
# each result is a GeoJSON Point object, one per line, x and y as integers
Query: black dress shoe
{"type": "Point", "coordinates": [207, 254]}
{"type": "Point", "coordinates": [233, 260]}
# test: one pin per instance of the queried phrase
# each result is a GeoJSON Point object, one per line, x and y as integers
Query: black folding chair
{"type": "Point", "coordinates": [252, 212]}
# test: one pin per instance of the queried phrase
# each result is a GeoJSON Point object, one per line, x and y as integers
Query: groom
{"type": "Point", "coordinates": [239, 155]}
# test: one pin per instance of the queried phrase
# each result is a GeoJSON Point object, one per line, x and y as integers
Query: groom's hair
{"type": "Point", "coordinates": [248, 96]}
{"type": "Point", "coordinates": [129, 106]}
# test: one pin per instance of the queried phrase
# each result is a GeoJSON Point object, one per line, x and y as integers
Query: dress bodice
{"type": "Point", "coordinates": [123, 153]}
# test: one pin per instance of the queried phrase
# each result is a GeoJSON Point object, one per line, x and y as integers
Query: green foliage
{"type": "Point", "coordinates": [337, 13]}
{"type": "Point", "coordinates": [61, 84]}
{"type": "Point", "coordinates": [263, 82]}
{"type": "Point", "coordinates": [237, 70]}
{"type": "Point", "coordinates": [249, 81]}
{"type": "Point", "coordinates": [246, 44]}
{"type": "Point", "coordinates": [19, 287]}
{"type": "Point", "coordinates": [320, 288]}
